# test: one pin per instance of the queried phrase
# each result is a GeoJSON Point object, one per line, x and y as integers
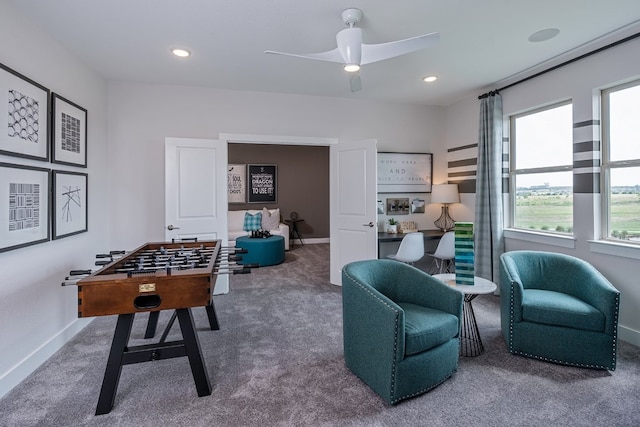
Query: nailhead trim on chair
{"type": "Point", "coordinates": [395, 337]}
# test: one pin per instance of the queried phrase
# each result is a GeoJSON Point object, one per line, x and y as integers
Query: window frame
{"type": "Point", "coordinates": [513, 172]}
{"type": "Point", "coordinates": [606, 164]}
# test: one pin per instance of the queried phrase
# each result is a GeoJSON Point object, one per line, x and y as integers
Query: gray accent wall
{"type": "Point", "coordinates": [302, 182]}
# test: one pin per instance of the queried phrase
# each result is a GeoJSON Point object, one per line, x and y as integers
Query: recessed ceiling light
{"type": "Point", "coordinates": [430, 79]}
{"type": "Point", "coordinates": [543, 35]}
{"type": "Point", "coordinates": [182, 53]}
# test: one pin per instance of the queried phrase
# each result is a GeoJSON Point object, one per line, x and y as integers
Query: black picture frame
{"type": "Point", "coordinates": [405, 172]}
{"type": "Point", "coordinates": [262, 183]}
{"type": "Point", "coordinates": [70, 203]}
{"type": "Point", "coordinates": [68, 132]}
{"type": "Point", "coordinates": [24, 206]}
{"type": "Point", "coordinates": [25, 124]}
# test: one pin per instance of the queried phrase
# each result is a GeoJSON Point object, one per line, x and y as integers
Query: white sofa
{"type": "Point", "coordinates": [235, 223]}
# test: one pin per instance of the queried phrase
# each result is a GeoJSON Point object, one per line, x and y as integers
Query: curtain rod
{"type": "Point", "coordinates": [555, 67]}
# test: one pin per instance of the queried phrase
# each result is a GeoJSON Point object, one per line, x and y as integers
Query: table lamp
{"type": "Point", "coordinates": [445, 194]}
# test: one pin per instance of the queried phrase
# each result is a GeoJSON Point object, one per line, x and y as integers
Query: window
{"type": "Point", "coordinates": [541, 169]}
{"type": "Point", "coordinates": [621, 162]}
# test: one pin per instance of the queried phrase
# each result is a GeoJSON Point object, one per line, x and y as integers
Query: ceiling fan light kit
{"type": "Point", "coordinates": [352, 53]}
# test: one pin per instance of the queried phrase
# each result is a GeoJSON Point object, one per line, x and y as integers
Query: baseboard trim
{"type": "Point", "coordinates": [312, 241]}
{"type": "Point", "coordinates": [22, 370]}
{"type": "Point", "coordinates": [629, 335]}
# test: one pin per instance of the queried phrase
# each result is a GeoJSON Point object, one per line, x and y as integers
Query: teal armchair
{"type": "Point", "coordinates": [400, 326]}
{"type": "Point", "coordinates": [559, 309]}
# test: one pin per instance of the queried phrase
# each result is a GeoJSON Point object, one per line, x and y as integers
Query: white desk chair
{"type": "Point", "coordinates": [445, 253]}
{"type": "Point", "coordinates": [411, 248]}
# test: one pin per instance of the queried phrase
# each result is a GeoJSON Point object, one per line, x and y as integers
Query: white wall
{"type": "Point", "coordinates": [579, 82]}
{"type": "Point", "coordinates": [141, 116]}
{"type": "Point", "coordinates": [37, 315]}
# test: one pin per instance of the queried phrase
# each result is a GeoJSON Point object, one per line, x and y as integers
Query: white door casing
{"type": "Point", "coordinates": [196, 193]}
{"type": "Point", "coordinates": [353, 211]}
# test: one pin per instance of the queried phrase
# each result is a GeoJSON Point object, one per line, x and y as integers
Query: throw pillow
{"type": "Point", "coordinates": [252, 222]}
{"type": "Point", "coordinates": [270, 220]}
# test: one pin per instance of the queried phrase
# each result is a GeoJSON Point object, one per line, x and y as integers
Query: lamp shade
{"type": "Point", "coordinates": [445, 193]}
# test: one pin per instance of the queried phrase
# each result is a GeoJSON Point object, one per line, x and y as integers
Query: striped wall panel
{"type": "Point", "coordinates": [586, 157]}
{"type": "Point", "coordinates": [505, 164]}
{"type": "Point", "coordinates": [462, 166]}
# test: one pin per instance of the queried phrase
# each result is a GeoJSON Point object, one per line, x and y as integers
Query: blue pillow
{"type": "Point", "coordinates": [252, 222]}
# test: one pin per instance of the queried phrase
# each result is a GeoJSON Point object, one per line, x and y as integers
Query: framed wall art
{"type": "Point", "coordinates": [70, 208]}
{"type": "Point", "coordinates": [69, 132]}
{"type": "Point", "coordinates": [24, 206]}
{"type": "Point", "coordinates": [237, 183]}
{"type": "Point", "coordinates": [24, 116]}
{"type": "Point", "coordinates": [262, 183]}
{"type": "Point", "coordinates": [404, 172]}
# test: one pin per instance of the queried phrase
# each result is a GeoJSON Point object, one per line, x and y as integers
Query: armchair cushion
{"type": "Point", "coordinates": [555, 308]}
{"type": "Point", "coordinates": [426, 328]}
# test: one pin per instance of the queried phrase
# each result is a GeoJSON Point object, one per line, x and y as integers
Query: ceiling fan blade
{"type": "Point", "coordinates": [378, 52]}
{"type": "Point", "coordinates": [354, 81]}
{"type": "Point", "coordinates": [350, 45]}
{"type": "Point", "coordinates": [331, 56]}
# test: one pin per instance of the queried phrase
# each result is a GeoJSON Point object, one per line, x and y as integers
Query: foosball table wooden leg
{"type": "Point", "coordinates": [192, 347]}
{"type": "Point", "coordinates": [114, 364]}
{"type": "Point", "coordinates": [152, 324]}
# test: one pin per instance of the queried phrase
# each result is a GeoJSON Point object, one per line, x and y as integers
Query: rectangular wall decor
{"type": "Point", "coordinates": [404, 172]}
{"type": "Point", "coordinates": [237, 183]}
{"type": "Point", "coordinates": [24, 116]}
{"type": "Point", "coordinates": [24, 206]}
{"type": "Point", "coordinates": [69, 132]}
{"type": "Point", "coordinates": [262, 183]}
{"type": "Point", "coordinates": [70, 196]}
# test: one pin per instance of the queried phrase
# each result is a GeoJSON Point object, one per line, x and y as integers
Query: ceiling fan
{"type": "Point", "coordinates": [353, 53]}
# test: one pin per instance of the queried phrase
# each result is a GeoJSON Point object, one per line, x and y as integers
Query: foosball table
{"type": "Point", "coordinates": [154, 277]}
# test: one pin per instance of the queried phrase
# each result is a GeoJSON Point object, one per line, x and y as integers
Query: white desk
{"type": "Point", "coordinates": [470, 342]}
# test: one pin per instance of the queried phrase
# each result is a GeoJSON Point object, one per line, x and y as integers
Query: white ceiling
{"type": "Point", "coordinates": [482, 41]}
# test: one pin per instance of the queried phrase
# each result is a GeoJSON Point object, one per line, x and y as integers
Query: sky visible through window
{"type": "Point", "coordinates": [542, 142]}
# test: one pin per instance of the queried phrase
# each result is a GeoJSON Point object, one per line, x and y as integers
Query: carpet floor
{"type": "Point", "coordinates": [277, 361]}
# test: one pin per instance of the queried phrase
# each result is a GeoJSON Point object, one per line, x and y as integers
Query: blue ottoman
{"type": "Point", "coordinates": [262, 251]}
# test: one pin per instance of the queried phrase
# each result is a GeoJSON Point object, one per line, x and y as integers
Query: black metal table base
{"type": "Point", "coordinates": [120, 354]}
{"type": "Point", "coordinates": [470, 342]}
{"type": "Point", "coordinates": [152, 323]}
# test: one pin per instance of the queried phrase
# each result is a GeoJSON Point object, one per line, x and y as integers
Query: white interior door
{"type": "Point", "coordinates": [353, 177]}
{"type": "Point", "coordinates": [196, 192]}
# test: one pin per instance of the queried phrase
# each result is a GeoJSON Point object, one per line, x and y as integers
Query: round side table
{"type": "Point", "coordinates": [470, 342]}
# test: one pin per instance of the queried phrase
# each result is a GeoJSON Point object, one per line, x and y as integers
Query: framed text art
{"type": "Point", "coordinates": [24, 116]}
{"type": "Point", "coordinates": [237, 183]}
{"type": "Point", "coordinates": [69, 132]}
{"type": "Point", "coordinates": [70, 195]}
{"type": "Point", "coordinates": [24, 206]}
{"type": "Point", "coordinates": [404, 172]}
{"type": "Point", "coordinates": [262, 183]}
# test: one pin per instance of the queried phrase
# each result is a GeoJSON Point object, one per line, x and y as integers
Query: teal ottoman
{"type": "Point", "coordinates": [262, 251]}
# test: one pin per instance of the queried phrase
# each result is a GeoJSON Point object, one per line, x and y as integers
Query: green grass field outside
{"type": "Point", "coordinates": [554, 212]}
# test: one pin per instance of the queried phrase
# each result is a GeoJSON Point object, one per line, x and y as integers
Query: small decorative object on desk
{"type": "Point", "coordinates": [408, 227]}
{"type": "Point", "coordinates": [393, 226]}
{"type": "Point", "coordinates": [464, 256]}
